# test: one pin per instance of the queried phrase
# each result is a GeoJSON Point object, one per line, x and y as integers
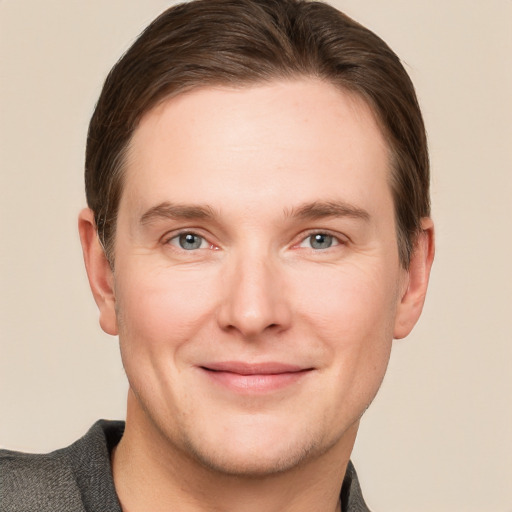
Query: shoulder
{"type": "Point", "coordinates": [36, 482]}
{"type": "Point", "coordinates": [57, 481]}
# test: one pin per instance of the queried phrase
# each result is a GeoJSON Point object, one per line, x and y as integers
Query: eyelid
{"type": "Point", "coordinates": [171, 235]}
{"type": "Point", "coordinates": [340, 238]}
{"type": "Point", "coordinates": [175, 241]}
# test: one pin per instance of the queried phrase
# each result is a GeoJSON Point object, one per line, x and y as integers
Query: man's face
{"type": "Point", "coordinates": [256, 276]}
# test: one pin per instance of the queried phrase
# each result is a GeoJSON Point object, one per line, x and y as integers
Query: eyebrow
{"type": "Point", "coordinates": [168, 210]}
{"type": "Point", "coordinates": [321, 209]}
{"type": "Point", "coordinates": [308, 211]}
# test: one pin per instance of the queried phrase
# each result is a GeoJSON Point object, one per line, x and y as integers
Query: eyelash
{"type": "Point", "coordinates": [185, 233]}
{"type": "Point", "coordinates": [335, 239]}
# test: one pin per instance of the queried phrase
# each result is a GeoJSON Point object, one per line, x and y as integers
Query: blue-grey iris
{"type": "Point", "coordinates": [321, 241]}
{"type": "Point", "coordinates": [189, 241]}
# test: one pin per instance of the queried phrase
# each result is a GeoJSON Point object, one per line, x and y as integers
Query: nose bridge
{"type": "Point", "coordinates": [254, 298]}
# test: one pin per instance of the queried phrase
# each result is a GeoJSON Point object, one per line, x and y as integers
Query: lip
{"type": "Point", "coordinates": [257, 378]}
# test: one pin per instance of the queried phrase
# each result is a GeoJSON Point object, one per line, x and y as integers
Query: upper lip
{"type": "Point", "coordinates": [243, 368]}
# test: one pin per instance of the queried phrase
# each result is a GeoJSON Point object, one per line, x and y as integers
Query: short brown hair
{"type": "Point", "coordinates": [243, 42]}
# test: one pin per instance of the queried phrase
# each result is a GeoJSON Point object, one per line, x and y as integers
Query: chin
{"type": "Point", "coordinates": [257, 450]}
{"type": "Point", "coordinates": [252, 462]}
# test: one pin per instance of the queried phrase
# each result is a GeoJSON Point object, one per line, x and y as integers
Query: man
{"type": "Point", "coordinates": [258, 232]}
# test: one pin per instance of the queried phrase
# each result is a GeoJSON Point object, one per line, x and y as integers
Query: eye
{"type": "Point", "coordinates": [319, 241]}
{"type": "Point", "coordinates": [189, 241]}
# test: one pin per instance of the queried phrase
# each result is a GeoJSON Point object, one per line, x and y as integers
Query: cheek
{"type": "Point", "coordinates": [348, 300]}
{"type": "Point", "coordinates": [351, 313]}
{"type": "Point", "coordinates": [163, 307]}
{"type": "Point", "coordinates": [160, 314]}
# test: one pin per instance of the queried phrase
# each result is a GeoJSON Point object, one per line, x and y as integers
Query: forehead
{"type": "Point", "coordinates": [280, 142]}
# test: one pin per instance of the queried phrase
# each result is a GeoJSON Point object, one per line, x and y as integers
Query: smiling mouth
{"type": "Point", "coordinates": [254, 378]}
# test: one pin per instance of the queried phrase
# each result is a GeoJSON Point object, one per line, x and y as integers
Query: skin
{"type": "Point", "coordinates": [284, 189]}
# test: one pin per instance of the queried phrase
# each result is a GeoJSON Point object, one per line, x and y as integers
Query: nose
{"type": "Point", "coordinates": [254, 298]}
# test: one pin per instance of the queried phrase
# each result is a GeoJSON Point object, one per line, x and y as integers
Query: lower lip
{"type": "Point", "coordinates": [258, 383]}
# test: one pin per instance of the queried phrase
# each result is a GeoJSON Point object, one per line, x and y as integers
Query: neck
{"type": "Point", "coordinates": [150, 473]}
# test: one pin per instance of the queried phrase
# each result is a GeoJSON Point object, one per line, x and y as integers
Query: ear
{"type": "Point", "coordinates": [99, 272]}
{"type": "Point", "coordinates": [416, 283]}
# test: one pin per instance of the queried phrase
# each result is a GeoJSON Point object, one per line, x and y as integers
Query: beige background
{"type": "Point", "coordinates": [439, 435]}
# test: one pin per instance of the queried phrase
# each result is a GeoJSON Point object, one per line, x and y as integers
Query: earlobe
{"type": "Point", "coordinates": [413, 297]}
{"type": "Point", "coordinates": [99, 272]}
